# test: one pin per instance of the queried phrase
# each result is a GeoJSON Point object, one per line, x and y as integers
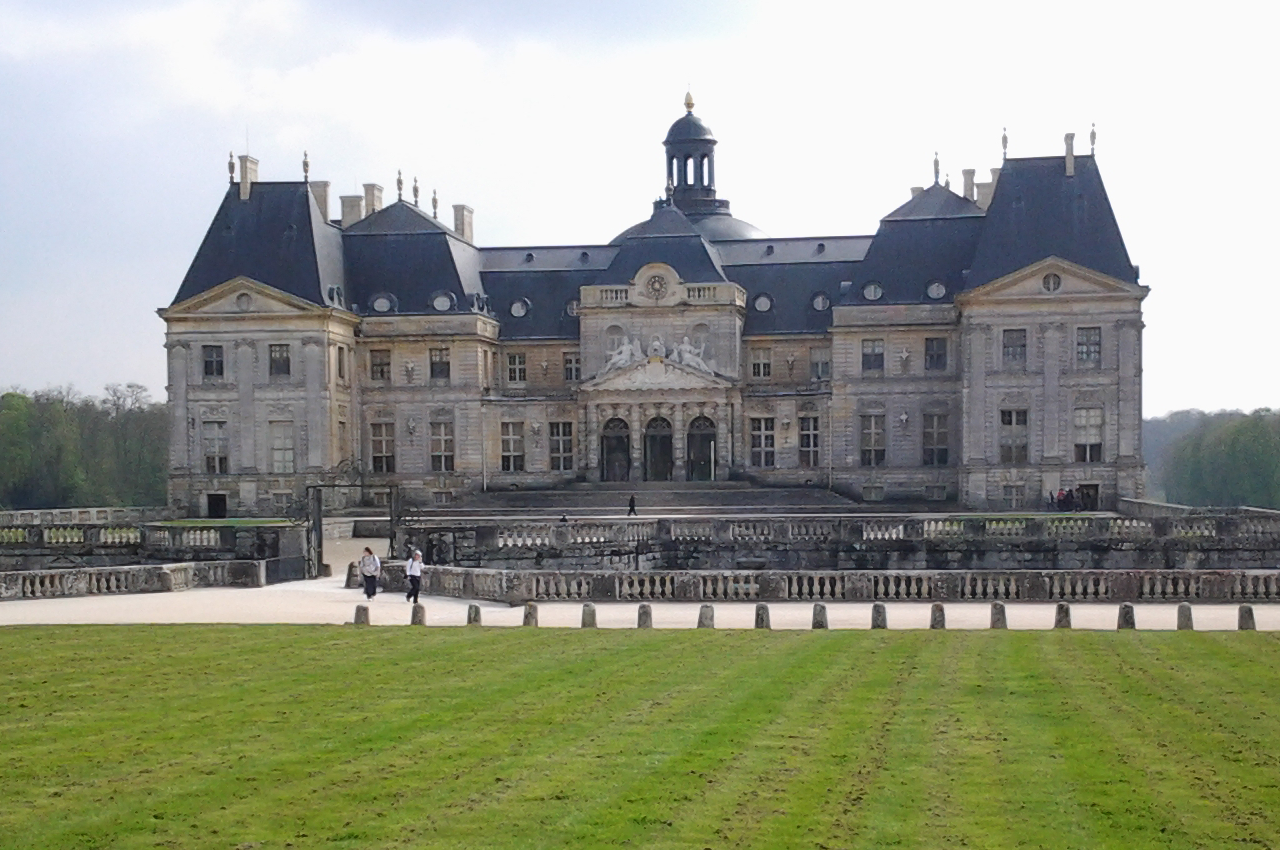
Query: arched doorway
{"type": "Point", "coordinates": [658, 457]}
{"type": "Point", "coordinates": [701, 450]}
{"type": "Point", "coordinates": [615, 451]}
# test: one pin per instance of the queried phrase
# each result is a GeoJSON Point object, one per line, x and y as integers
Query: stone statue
{"type": "Point", "coordinates": [623, 355]}
{"type": "Point", "coordinates": [686, 355]}
{"type": "Point", "coordinates": [656, 348]}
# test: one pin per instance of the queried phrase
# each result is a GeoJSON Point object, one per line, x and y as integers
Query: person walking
{"type": "Point", "coordinates": [631, 507]}
{"type": "Point", "coordinates": [413, 571]}
{"type": "Point", "coordinates": [370, 569]}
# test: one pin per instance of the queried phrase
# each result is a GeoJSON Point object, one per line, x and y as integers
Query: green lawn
{"type": "Point", "coordinates": [336, 737]}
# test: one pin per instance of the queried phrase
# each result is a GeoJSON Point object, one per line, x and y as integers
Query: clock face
{"type": "Point", "coordinates": [656, 286]}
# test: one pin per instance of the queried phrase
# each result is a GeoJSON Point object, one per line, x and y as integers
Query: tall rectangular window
{"type": "Point", "coordinates": [439, 364]}
{"type": "Point", "coordinates": [342, 362]}
{"type": "Point", "coordinates": [561, 434]}
{"type": "Point", "coordinates": [382, 442]}
{"type": "Point", "coordinates": [572, 367]}
{"type": "Point", "coordinates": [513, 446]}
{"type": "Point", "coordinates": [214, 366]}
{"type": "Point", "coordinates": [442, 447]}
{"type": "Point", "coordinates": [809, 442]}
{"type": "Point", "coordinates": [515, 369]}
{"type": "Point", "coordinates": [1014, 349]}
{"type": "Point", "coordinates": [1088, 434]}
{"type": "Point", "coordinates": [1014, 497]}
{"type": "Point", "coordinates": [1013, 436]}
{"type": "Point", "coordinates": [279, 365]}
{"type": "Point", "coordinates": [935, 354]}
{"type": "Point", "coordinates": [281, 434]}
{"type": "Point", "coordinates": [761, 362]}
{"type": "Point", "coordinates": [819, 364]}
{"type": "Point", "coordinates": [873, 355]}
{"type": "Point", "coordinates": [872, 440]}
{"type": "Point", "coordinates": [1088, 348]}
{"type": "Point", "coordinates": [380, 364]}
{"type": "Point", "coordinates": [762, 442]}
{"type": "Point", "coordinates": [935, 439]}
{"type": "Point", "coordinates": [214, 437]}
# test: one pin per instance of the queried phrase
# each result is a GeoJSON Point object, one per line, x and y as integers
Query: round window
{"type": "Point", "coordinates": [821, 301]}
{"type": "Point", "coordinates": [936, 290]}
{"type": "Point", "coordinates": [1051, 282]}
{"type": "Point", "coordinates": [520, 307]}
{"type": "Point", "coordinates": [442, 301]}
{"type": "Point", "coordinates": [571, 309]}
{"type": "Point", "coordinates": [872, 292]}
{"type": "Point", "coordinates": [244, 302]}
{"type": "Point", "coordinates": [763, 303]}
{"type": "Point", "coordinates": [381, 304]}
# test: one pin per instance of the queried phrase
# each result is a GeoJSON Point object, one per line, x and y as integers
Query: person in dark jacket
{"type": "Point", "coordinates": [631, 507]}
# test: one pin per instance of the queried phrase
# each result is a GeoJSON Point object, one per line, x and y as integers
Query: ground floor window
{"type": "Point", "coordinates": [762, 442]}
{"type": "Point", "coordinates": [561, 435]}
{"type": "Point", "coordinates": [935, 439]}
{"type": "Point", "coordinates": [281, 446]}
{"type": "Point", "coordinates": [442, 447]}
{"type": "Point", "coordinates": [871, 440]}
{"type": "Point", "coordinates": [1014, 497]}
{"type": "Point", "coordinates": [382, 444]}
{"type": "Point", "coordinates": [513, 446]}
{"type": "Point", "coordinates": [809, 441]}
{"type": "Point", "coordinates": [1088, 434]}
{"type": "Point", "coordinates": [214, 436]}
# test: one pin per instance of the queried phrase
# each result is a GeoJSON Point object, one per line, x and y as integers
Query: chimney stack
{"type": "Point", "coordinates": [462, 222]}
{"type": "Point", "coordinates": [352, 209]}
{"type": "Point", "coordinates": [372, 198]}
{"type": "Point", "coordinates": [916, 190]}
{"type": "Point", "coordinates": [320, 190]}
{"type": "Point", "coordinates": [984, 191]}
{"type": "Point", "coordinates": [248, 175]}
{"type": "Point", "coordinates": [968, 182]}
{"type": "Point", "coordinates": [1070, 139]}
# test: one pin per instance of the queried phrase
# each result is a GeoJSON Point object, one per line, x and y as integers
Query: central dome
{"type": "Point", "coordinates": [689, 128]}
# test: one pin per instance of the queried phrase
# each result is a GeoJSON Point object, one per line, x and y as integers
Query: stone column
{"type": "Point", "coordinates": [679, 444]}
{"type": "Point", "coordinates": [592, 437]}
{"type": "Point", "coordinates": [313, 376]}
{"type": "Point", "coordinates": [1129, 406]}
{"type": "Point", "coordinates": [246, 418]}
{"type": "Point", "coordinates": [1054, 364]}
{"type": "Point", "coordinates": [634, 417]}
{"type": "Point", "coordinates": [179, 427]}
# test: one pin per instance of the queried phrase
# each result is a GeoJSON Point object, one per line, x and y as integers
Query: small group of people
{"type": "Point", "coordinates": [371, 569]}
{"type": "Point", "coordinates": [1065, 500]}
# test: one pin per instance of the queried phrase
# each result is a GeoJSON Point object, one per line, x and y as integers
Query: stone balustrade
{"type": "Point", "coordinates": [150, 578]}
{"type": "Point", "coordinates": [85, 516]}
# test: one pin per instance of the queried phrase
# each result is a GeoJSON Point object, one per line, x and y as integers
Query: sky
{"type": "Point", "coordinates": [116, 120]}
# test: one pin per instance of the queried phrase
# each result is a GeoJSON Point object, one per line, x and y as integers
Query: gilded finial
{"type": "Point", "coordinates": [306, 168]}
{"type": "Point", "coordinates": [415, 191]}
{"type": "Point", "coordinates": [1093, 137]}
{"type": "Point", "coordinates": [935, 168]}
{"type": "Point", "coordinates": [1004, 143]}
{"type": "Point", "coordinates": [688, 101]}
{"type": "Point", "coordinates": [231, 166]}
{"type": "Point", "coordinates": [435, 205]}
{"type": "Point", "coordinates": [399, 185]}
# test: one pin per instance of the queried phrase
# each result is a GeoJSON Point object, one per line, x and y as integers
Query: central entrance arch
{"type": "Point", "coordinates": [615, 451]}
{"type": "Point", "coordinates": [701, 443]}
{"type": "Point", "coordinates": [658, 457]}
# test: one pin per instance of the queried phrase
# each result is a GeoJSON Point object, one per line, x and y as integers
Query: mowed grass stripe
{"type": "Point", "coordinates": [339, 737]}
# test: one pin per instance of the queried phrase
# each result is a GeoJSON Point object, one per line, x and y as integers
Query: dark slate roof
{"type": "Point", "coordinates": [791, 289]}
{"type": "Point", "coordinates": [935, 202]}
{"type": "Point", "coordinates": [400, 217]}
{"type": "Point", "coordinates": [1037, 212]}
{"type": "Point", "coordinates": [668, 220]}
{"type": "Point", "coordinates": [687, 128]}
{"type": "Point", "coordinates": [721, 227]}
{"type": "Point", "coordinates": [411, 268]}
{"type": "Point", "coordinates": [691, 256]}
{"type": "Point", "coordinates": [549, 295]}
{"type": "Point", "coordinates": [276, 237]}
{"type": "Point", "coordinates": [907, 255]}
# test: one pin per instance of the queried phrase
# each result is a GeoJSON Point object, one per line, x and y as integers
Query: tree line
{"type": "Point", "coordinates": [61, 449]}
{"type": "Point", "coordinates": [1225, 459]}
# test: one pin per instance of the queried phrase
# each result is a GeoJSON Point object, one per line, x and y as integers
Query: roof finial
{"type": "Point", "coordinates": [671, 190]}
{"type": "Point", "coordinates": [688, 101]}
{"type": "Point", "coordinates": [935, 168]}
{"type": "Point", "coordinates": [1093, 137]}
{"type": "Point", "coordinates": [947, 185]}
{"type": "Point", "coordinates": [306, 168]}
{"type": "Point", "coordinates": [399, 185]}
{"type": "Point", "coordinates": [1004, 143]}
{"type": "Point", "coordinates": [435, 205]}
{"type": "Point", "coordinates": [231, 166]}
{"type": "Point", "coordinates": [415, 191]}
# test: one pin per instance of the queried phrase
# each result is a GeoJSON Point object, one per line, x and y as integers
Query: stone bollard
{"type": "Point", "coordinates": [1062, 616]}
{"type": "Point", "coordinates": [1126, 620]}
{"type": "Point", "coordinates": [473, 615]}
{"type": "Point", "coordinates": [418, 617]}
{"type": "Point", "coordinates": [937, 616]}
{"type": "Point", "coordinates": [878, 618]}
{"type": "Point", "coordinates": [707, 617]}
{"type": "Point", "coordinates": [588, 615]}
{"type": "Point", "coordinates": [1184, 617]}
{"type": "Point", "coordinates": [819, 616]}
{"type": "Point", "coordinates": [644, 616]}
{"type": "Point", "coordinates": [998, 618]}
{"type": "Point", "coordinates": [362, 615]}
{"type": "Point", "coordinates": [762, 616]}
{"type": "Point", "coordinates": [530, 614]}
{"type": "Point", "coordinates": [1246, 623]}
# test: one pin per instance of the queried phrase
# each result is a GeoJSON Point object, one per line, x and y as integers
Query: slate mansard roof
{"type": "Point", "coordinates": [403, 257]}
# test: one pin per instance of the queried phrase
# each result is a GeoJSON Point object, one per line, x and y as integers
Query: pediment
{"type": "Point", "coordinates": [241, 296]}
{"type": "Point", "coordinates": [655, 373]}
{"type": "Point", "coordinates": [1029, 283]}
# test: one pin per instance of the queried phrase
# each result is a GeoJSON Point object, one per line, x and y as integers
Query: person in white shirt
{"type": "Point", "coordinates": [370, 569]}
{"type": "Point", "coordinates": [413, 570]}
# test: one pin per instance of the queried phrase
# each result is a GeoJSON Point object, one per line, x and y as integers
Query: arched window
{"type": "Point", "coordinates": [701, 337]}
{"type": "Point", "coordinates": [673, 171]}
{"type": "Point", "coordinates": [704, 172]}
{"type": "Point", "coordinates": [688, 171]}
{"type": "Point", "coordinates": [614, 336]}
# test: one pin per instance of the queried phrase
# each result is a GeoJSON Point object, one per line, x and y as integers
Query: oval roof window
{"type": "Point", "coordinates": [520, 307]}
